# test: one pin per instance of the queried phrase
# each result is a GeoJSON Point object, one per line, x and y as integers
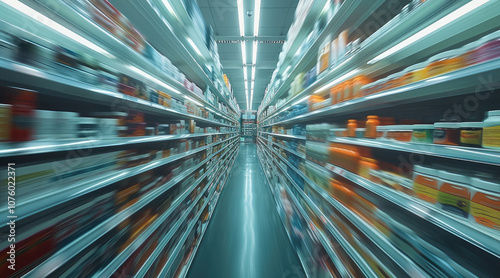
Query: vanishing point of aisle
{"type": "Point", "coordinates": [245, 238]}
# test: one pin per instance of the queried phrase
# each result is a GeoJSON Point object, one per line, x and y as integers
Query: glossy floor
{"type": "Point", "coordinates": [245, 237]}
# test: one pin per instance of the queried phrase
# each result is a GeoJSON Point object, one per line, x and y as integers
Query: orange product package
{"type": "Point", "coordinates": [358, 82]}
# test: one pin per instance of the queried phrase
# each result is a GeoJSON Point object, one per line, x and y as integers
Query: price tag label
{"type": "Point", "coordinates": [335, 169]}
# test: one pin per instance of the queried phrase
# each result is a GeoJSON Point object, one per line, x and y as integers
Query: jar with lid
{"type": "Point", "coordinates": [347, 90]}
{"type": "Point", "coordinates": [471, 134]}
{"type": "Point", "coordinates": [422, 134]}
{"type": "Point", "coordinates": [454, 193]}
{"type": "Point", "coordinates": [425, 183]}
{"type": "Point", "coordinates": [23, 103]}
{"type": "Point", "coordinates": [485, 203]}
{"type": "Point", "coordinates": [491, 130]}
{"type": "Point", "coordinates": [371, 126]}
{"type": "Point", "coordinates": [447, 133]}
{"type": "Point", "coordinates": [352, 125]}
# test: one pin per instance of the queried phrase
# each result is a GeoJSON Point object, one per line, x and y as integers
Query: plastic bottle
{"type": "Point", "coordinates": [352, 125]}
{"type": "Point", "coordinates": [371, 126]}
{"type": "Point", "coordinates": [491, 130]}
{"type": "Point", "coordinates": [23, 105]}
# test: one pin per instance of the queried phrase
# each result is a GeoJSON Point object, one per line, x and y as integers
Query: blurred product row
{"type": "Point", "coordinates": [117, 157]}
{"type": "Point", "coordinates": [380, 134]}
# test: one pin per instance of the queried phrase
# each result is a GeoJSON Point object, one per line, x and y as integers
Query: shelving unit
{"type": "Point", "coordinates": [381, 229]}
{"type": "Point", "coordinates": [144, 203]}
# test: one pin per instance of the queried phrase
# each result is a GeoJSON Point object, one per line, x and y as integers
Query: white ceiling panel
{"type": "Point", "coordinates": [275, 20]}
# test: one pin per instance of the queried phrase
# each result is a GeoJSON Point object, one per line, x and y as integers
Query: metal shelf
{"type": "Point", "coordinates": [458, 82]}
{"type": "Point", "coordinates": [301, 155]}
{"type": "Point", "coordinates": [148, 17]}
{"type": "Point", "coordinates": [62, 86]}
{"type": "Point", "coordinates": [484, 238]}
{"type": "Point", "coordinates": [331, 228]}
{"type": "Point", "coordinates": [343, 17]}
{"type": "Point", "coordinates": [51, 200]}
{"type": "Point", "coordinates": [149, 262]}
{"type": "Point", "coordinates": [477, 155]}
{"type": "Point", "coordinates": [41, 147]}
{"type": "Point", "coordinates": [302, 258]}
{"type": "Point", "coordinates": [65, 254]}
{"type": "Point", "coordinates": [426, 14]}
{"type": "Point", "coordinates": [123, 256]}
{"type": "Point", "coordinates": [77, 21]}
{"type": "Point", "coordinates": [212, 199]}
{"type": "Point", "coordinates": [300, 137]}
{"type": "Point", "coordinates": [374, 235]}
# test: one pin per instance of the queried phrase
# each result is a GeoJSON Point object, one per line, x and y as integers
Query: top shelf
{"type": "Point", "coordinates": [454, 83]}
{"type": "Point", "coordinates": [148, 17]}
{"type": "Point", "coordinates": [482, 18]}
{"type": "Point", "coordinates": [343, 17]}
{"type": "Point", "coordinates": [121, 57]}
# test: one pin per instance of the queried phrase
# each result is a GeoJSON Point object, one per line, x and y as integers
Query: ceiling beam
{"type": "Point", "coordinates": [235, 64]}
{"type": "Point", "coordinates": [261, 39]}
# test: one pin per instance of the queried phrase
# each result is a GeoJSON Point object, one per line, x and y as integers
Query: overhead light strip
{"type": "Point", "coordinates": [55, 26]}
{"type": "Point", "coordinates": [256, 19]}
{"type": "Point", "coordinates": [467, 8]}
{"type": "Point", "coordinates": [255, 46]}
{"type": "Point", "coordinates": [241, 18]}
{"type": "Point", "coordinates": [244, 53]}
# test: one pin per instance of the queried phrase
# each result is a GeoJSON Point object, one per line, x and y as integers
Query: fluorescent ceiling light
{"type": "Point", "coordinates": [241, 18]}
{"type": "Point", "coordinates": [245, 73]}
{"type": "Point", "coordinates": [337, 80]}
{"type": "Point", "coordinates": [193, 45]}
{"type": "Point", "coordinates": [253, 73]}
{"type": "Point", "coordinates": [467, 8]}
{"type": "Point", "coordinates": [56, 26]}
{"type": "Point", "coordinates": [169, 8]}
{"type": "Point", "coordinates": [251, 97]}
{"type": "Point", "coordinates": [246, 85]}
{"type": "Point", "coordinates": [256, 19]}
{"type": "Point", "coordinates": [244, 53]}
{"type": "Point", "coordinates": [255, 45]}
{"type": "Point", "coordinates": [154, 79]}
{"type": "Point", "coordinates": [246, 97]}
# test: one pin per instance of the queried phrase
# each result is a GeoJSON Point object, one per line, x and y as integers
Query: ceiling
{"type": "Point", "coordinates": [276, 16]}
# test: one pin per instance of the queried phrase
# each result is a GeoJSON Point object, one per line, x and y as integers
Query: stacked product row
{"type": "Point", "coordinates": [87, 202]}
{"type": "Point", "coordinates": [359, 81]}
{"type": "Point", "coordinates": [384, 137]}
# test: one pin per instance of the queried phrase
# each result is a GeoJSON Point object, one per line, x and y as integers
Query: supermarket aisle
{"type": "Point", "coordinates": [245, 237]}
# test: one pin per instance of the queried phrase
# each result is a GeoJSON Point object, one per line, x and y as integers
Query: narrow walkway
{"type": "Point", "coordinates": [245, 238]}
